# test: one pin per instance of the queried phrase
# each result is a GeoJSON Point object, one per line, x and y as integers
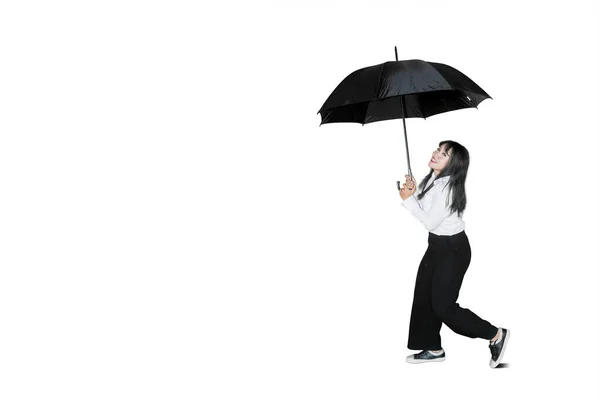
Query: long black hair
{"type": "Point", "coordinates": [456, 169]}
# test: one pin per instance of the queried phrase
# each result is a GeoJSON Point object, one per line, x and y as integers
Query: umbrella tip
{"type": "Point", "coordinates": [396, 51]}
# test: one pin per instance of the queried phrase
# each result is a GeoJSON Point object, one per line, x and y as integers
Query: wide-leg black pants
{"type": "Point", "coordinates": [439, 279]}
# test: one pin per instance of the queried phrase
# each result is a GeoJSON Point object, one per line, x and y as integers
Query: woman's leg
{"type": "Point", "coordinates": [424, 331]}
{"type": "Point", "coordinates": [454, 258]}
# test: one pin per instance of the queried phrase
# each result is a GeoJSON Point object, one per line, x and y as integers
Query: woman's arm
{"type": "Point", "coordinates": [436, 214]}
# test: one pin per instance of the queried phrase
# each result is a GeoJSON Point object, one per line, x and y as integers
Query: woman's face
{"type": "Point", "coordinates": [439, 159]}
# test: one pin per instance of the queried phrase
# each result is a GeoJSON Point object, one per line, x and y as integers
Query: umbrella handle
{"type": "Point", "coordinates": [410, 176]}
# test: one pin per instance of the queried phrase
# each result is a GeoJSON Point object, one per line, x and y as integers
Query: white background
{"type": "Point", "coordinates": [175, 224]}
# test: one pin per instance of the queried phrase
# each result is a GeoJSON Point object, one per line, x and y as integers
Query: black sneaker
{"type": "Point", "coordinates": [498, 348]}
{"type": "Point", "coordinates": [426, 356]}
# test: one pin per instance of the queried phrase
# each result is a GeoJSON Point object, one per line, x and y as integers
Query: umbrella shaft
{"type": "Point", "coordinates": [403, 105]}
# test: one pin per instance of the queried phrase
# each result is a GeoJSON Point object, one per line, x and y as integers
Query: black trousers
{"type": "Point", "coordinates": [439, 279]}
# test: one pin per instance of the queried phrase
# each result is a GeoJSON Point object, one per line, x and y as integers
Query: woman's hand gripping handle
{"type": "Point", "coordinates": [408, 188]}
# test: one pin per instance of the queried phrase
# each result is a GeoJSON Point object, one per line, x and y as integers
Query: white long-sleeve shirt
{"type": "Point", "coordinates": [432, 210]}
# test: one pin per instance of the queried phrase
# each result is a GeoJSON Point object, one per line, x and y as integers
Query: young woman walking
{"type": "Point", "coordinates": [438, 203]}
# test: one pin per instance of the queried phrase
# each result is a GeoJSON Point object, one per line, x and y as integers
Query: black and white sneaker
{"type": "Point", "coordinates": [499, 347]}
{"type": "Point", "coordinates": [426, 356]}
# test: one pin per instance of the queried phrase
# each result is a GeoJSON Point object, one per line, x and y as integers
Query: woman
{"type": "Point", "coordinates": [438, 204]}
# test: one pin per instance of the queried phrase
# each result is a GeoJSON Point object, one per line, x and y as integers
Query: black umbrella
{"type": "Point", "coordinates": [400, 89]}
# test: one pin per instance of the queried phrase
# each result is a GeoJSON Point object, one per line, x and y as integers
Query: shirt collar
{"type": "Point", "coordinates": [442, 180]}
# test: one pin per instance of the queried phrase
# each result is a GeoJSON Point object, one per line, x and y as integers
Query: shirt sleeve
{"type": "Point", "coordinates": [436, 214]}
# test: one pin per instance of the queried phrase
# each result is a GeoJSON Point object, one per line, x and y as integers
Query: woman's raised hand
{"type": "Point", "coordinates": [410, 182]}
{"type": "Point", "coordinates": [408, 188]}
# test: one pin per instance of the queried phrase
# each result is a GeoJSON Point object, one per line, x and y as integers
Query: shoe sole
{"type": "Point", "coordinates": [495, 364]}
{"type": "Point", "coordinates": [413, 361]}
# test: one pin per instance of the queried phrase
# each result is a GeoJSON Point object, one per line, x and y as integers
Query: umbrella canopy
{"type": "Point", "coordinates": [377, 93]}
{"type": "Point", "coordinates": [400, 89]}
